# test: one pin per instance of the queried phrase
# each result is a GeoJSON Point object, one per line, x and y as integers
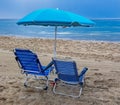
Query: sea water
{"type": "Point", "coordinates": [104, 30]}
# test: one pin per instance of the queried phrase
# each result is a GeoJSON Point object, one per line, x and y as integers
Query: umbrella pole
{"type": "Point", "coordinates": [55, 41]}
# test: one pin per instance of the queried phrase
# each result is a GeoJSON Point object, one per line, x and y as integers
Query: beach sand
{"type": "Point", "coordinates": [102, 86]}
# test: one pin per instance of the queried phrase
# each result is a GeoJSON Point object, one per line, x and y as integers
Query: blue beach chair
{"type": "Point", "coordinates": [31, 67]}
{"type": "Point", "coordinates": [68, 75]}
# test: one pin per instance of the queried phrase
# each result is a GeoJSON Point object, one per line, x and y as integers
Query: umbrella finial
{"type": "Point", "coordinates": [57, 8]}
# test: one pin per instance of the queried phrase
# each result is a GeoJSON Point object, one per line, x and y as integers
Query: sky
{"type": "Point", "coordinates": [89, 8]}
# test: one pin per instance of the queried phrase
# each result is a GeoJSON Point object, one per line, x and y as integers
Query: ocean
{"type": "Point", "coordinates": [104, 30]}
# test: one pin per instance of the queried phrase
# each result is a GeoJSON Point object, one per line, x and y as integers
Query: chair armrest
{"type": "Point", "coordinates": [81, 79]}
{"type": "Point", "coordinates": [48, 66]}
{"type": "Point", "coordinates": [82, 75]}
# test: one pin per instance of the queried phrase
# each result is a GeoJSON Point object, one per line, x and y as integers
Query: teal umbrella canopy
{"type": "Point", "coordinates": [54, 17]}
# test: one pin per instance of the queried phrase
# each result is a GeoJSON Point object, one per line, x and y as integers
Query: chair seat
{"type": "Point", "coordinates": [44, 73]}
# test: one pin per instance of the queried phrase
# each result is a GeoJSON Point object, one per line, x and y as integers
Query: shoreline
{"type": "Point", "coordinates": [28, 37]}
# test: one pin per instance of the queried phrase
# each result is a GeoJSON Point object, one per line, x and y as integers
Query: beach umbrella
{"type": "Point", "coordinates": [55, 17]}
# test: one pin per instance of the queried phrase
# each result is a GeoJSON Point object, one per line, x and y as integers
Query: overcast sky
{"type": "Point", "coordinates": [87, 8]}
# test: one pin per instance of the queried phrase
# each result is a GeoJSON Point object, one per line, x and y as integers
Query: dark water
{"type": "Point", "coordinates": [104, 30]}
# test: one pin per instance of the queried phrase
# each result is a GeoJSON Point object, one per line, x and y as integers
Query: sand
{"type": "Point", "coordinates": [102, 85]}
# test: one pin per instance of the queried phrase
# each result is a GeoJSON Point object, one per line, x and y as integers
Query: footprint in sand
{"type": "Point", "coordinates": [98, 74]}
{"type": "Point", "coordinates": [12, 81]}
{"type": "Point", "coordinates": [94, 69]}
{"type": "Point", "coordinates": [3, 65]}
{"type": "Point", "coordinates": [111, 80]}
{"type": "Point", "coordinates": [115, 71]}
{"type": "Point", "coordinates": [101, 84]}
{"type": "Point", "coordinates": [2, 88]}
{"type": "Point", "coordinates": [96, 82]}
{"type": "Point", "coordinates": [3, 99]}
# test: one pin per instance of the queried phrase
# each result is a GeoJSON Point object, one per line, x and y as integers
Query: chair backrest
{"type": "Point", "coordinates": [27, 60]}
{"type": "Point", "coordinates": [66, 70]}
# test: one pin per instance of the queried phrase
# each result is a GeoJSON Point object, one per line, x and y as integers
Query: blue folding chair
{"type": "Point", "coordinates": [31, 67]}
{"type": "Point", "coordinates": [68, 74]}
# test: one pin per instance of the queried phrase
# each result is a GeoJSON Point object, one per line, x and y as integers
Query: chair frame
{"type": "Point", "coordinates": [79, 83]}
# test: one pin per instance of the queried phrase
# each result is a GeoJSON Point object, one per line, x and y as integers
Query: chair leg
{"type": "Point", "coordinates": [80, 92]}
{"type": "Point", "coordinates": [46, 79]}
{"type": "Point", "coordinates": [60, 93]}
{"type": "Point", "coordinates": [47, 83]}
{"type": "Point", "coordinates": [26, 81]}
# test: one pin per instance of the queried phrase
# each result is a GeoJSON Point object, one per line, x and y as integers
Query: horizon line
{"type": "Point", "coordinates": [89, 18]}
